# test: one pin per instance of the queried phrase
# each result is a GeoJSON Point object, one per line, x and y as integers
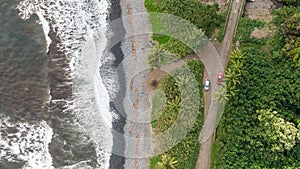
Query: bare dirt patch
{"type": "Point", "coordinates": [261, 9]}
{"type": "Point", "coordinates": [154, 77]}
{"type": "Point", "coordinates": [261, 33]}
{"type": "Point", "coordinates": [222, 4]}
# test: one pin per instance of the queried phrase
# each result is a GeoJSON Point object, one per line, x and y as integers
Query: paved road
{"type": "Point", "coordinates": [211, 115]}
{"type": "Point", "coordinates": [133, 47]}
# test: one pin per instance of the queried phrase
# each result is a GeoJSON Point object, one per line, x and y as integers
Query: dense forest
{"type": "Point", "coordinates": [260, 126]}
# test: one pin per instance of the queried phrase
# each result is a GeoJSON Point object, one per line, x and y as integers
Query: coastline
{"type": "Point", "coordinates": [136, 46]}
{"type": "Point", "coordinates": [130, 44]}
{"type": "Point", "coordinates": [118, 31]}
{"type": "Point", "coordinates": [72, 142]}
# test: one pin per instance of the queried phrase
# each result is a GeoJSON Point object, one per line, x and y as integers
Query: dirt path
{"type": "Point", "coordinates": [204, 155]}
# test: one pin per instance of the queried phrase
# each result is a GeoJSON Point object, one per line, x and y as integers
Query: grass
{"type": "Point", "coordinates": [203, 17]}
{"type": "Point", "coordinates": [154, 161]}
{"type": "Point", "coordinates": [161, 39]}
{"type": "Point", "coordinates": [186, 150]}
{"type": "Point", "coordinates": [158, 100]}
{"type": "Point", "coordinates": [245, 28]}
{"type": "Point", "coordinates": [214, 153]}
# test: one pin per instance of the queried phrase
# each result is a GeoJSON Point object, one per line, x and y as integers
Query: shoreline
{"type": "Point", "coordinates": [129, 44]}
{"type": "Point", "coordinates": [136, 45]}
{"type": "Point", "coordinates": [115, 11]}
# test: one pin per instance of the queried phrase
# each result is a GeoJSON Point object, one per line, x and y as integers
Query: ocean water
{"type": "Point", "coordinates": [51, 84]}
{"type": "Point", "coordinates": [23, 90]}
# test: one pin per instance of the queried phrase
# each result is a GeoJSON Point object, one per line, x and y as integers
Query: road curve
{"type": "Point", "coordinates": [210, 122]}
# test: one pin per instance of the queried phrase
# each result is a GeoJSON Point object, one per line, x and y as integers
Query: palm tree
{"type": "Point", "coordinates": [155, 56]}
{"type": "Point", "coordinates": [232, 78]}
{"type": "Point", "coordinates": [237, 65]}
{"type": "Point", "coordinates": [232, 92]}
{"type": "Point", "coordinates": [159, 55]}
{"type": "Point", "coordinates": [222, 95]}
{"type": "Point", "coordinates": [167, 162]}
{"type": "Point", "coordinates": [183, 80]}
{"type": "Point", "coordinates": [237, 55]}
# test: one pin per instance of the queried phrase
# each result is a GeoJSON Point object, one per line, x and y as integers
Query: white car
{"type": "Point", "coordinates": [206, 85]}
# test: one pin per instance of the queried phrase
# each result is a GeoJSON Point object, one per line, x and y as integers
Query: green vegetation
{"type": "Point", "coordinates": [186, 150]}
{"type": "Point", "coordinates": [204, 17]}
{"type": "Point", "coordinates": [167, 162]}
{"type": "Point", "coordinates": [286, 40]}
{"type": "Point", "coordinates": [290, 2]}
{"type": "Point", "coordinates": [291, 30]}
{"type": "Point", "coordinates": [160, 56]}
{"type": "Point", "coordinates": [241, 138]}
{"type": "Point", "coordinates": [234, 72]}
{"type": "Point", "coordinates": [261, 122]}
{"type": "Point", "coordinates": [260, 125]}
{"type": "Point", "coordinates": [276, 132]}
{"type": "Point", "coordinates": [244, 29]}
{"type": "Point", "coordinates": [167, 49]}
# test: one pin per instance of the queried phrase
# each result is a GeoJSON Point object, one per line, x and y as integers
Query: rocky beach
{"type": "Point", "coordinates": [131, 45]}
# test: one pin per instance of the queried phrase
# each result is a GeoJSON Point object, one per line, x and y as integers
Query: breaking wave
{"type": "Point", "coordinates": [80, 27]}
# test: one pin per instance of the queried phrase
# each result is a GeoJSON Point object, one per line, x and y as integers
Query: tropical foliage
{"type": "Point", "coordinates": [234, 72]}
{"type": "Point", "coordinates": [186, 150]}
{"type": "Point", "coordinates": [260, 125]}
{"type": "Point", "coordinates": [290, 2]}
{"type": "Point", "coordinates": [276, 132]}
{"type": "Point", "coordinates": [291, 29]}
{"type": "Point", "coordinates": [204, 17]}
{"type": "Point", "coordinates": [167, 162]}
{"type": "Point", "coordinates": [159, 56]}
{"type": "Point", "coordinates": [243, 136]}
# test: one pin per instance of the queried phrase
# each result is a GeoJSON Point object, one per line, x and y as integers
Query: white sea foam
{"type": "Point", "coordinates": [91, 98]}
{"type": "Point", "coordinates": [46, 29]}
{"type": "Point", "coordinates": [80, 25]}
{"type": "Point", "coordinates": [28, 142]}
{"type": "Point", "coordinates": [79, 165]}
{"type": "Point", "coordinates": [110, 76]}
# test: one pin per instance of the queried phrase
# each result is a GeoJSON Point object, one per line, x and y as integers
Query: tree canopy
{"type": "Point", "coordinates": [291, 29]}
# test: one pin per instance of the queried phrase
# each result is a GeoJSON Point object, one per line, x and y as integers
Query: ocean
{"type": "Point", "coordinates": [56, 91]}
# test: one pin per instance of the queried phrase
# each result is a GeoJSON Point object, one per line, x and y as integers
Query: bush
{"type": "Point", "coordinates": [187, 149]}
{"type": "Point", "coordinates": [266, 85]}
{"type": "Point", "coordinates": [205, 17]}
